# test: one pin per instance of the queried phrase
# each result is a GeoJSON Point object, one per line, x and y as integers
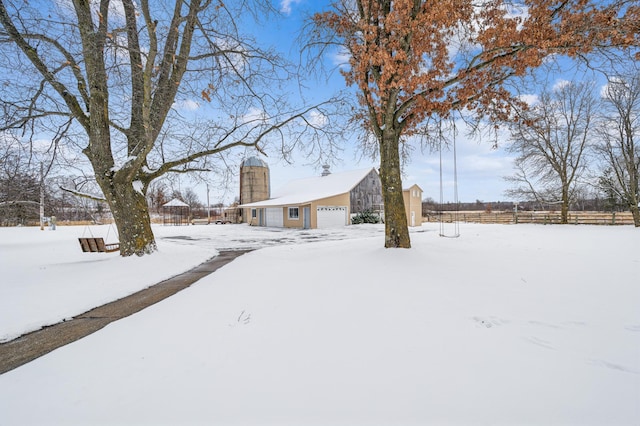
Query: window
{"type": "Point", "coordinates": [254, 213]}
{"type": "Point", "coordinates": [294, 213]}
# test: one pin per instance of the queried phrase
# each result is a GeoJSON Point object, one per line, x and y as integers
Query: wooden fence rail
{"type": "Point", "coordinates": [545, 218]}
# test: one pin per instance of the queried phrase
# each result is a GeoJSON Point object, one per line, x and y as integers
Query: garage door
{"type": "Point", "coordinates": [275, 217]}
{"type": "Point", "coordinates": [331, 216]}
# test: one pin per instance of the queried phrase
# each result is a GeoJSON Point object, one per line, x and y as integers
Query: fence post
{"type": "Point", "coordinates": [613, 218]}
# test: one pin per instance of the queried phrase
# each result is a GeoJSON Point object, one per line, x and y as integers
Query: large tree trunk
{"type": "Point", "coordinates": [126, 201]}
{"type": "Point", "coordinates": [633, 203]}
{"type": "Point", "coordinates": [564, 209]}
{"type": "Point", "coordinates": [395, 218]}
{"type": "Point", "coordinates": [632, 167]}
{"type": "Point", "coordinates": [131, 215]}
{"type": "Point", "coordinates": [635, 212]}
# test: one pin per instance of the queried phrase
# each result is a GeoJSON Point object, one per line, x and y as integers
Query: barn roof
{"type": "Point", "coordinates": [306, 190]}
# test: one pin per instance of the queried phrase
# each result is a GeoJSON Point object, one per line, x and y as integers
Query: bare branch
{"type": "Point", "coordinates": [83, 194]}
{"type": "Point", "coordinates": [33, 55]}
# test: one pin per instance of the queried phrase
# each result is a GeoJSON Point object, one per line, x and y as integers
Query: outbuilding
{"type": "Point", "coordinates": [175, 212]}
{"type": "Point", "coordinates": [319, 202]}
{"type": "Point", "coordinates": [413, 205]}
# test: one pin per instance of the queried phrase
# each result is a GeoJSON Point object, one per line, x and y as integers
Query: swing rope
{"type": "Point", "coordinates": [109, 230]}
{"type": "Point", "coordinates": [84, 231]}
{"type": "Point", "coordinates": [106, 238]}
{"type": "Point", "coordinates": [456, 224]}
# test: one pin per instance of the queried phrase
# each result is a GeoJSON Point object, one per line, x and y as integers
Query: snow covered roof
{"type": "Point", "coordinates": [409, 187]}
{"type": "Point", "coordinates": [302, 191]}
{"type": "Point", "coordinates": [175, 203]}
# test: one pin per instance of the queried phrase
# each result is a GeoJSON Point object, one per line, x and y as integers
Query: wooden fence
{"type": "Point", "coordinates": [545, 218]}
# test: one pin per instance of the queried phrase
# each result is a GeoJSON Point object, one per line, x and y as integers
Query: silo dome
{"type": "Point", "coordinates": [253, 162]}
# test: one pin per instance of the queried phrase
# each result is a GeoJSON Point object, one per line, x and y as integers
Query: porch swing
{"type": "Point", "coordinates": [455, 232]}
{"type": "Point", "coordinates": [97, 244]}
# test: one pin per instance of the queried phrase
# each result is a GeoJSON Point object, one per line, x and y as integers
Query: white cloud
{"type": "Point", "coordinates": [8, 139]}
{"type": "Point", "coordinates": [285, 5]}
{"type": "Point", "coordinates": [254, 114]}
{"type": "Point", "coordinates": [480, 169]}
{"type": "Point", "coordinates": [235, 53]}
{"type": "Point", "coordinates": [186, 105]}
{"type": "Point", "coordinates": [341, 58]}
{"type": "Point", "coordinates": [461, 41]}
{"type": "Point", "coordinates": [607, 89]}
{"type": "Point", "coordinates": [560, 84]}
{"type": "Point", "coordinates": [116, 10]}
{"type": "Point", "coordinates": [318, 119]}
{"type": "Point", "coordinates": [517, 11]}
{"type": "Point", "coordinates": [530, 99]}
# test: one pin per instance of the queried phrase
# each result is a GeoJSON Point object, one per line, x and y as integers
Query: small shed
{"type": "Point", "coordinates": [175, 213]}
{"type": "Point", "coordinates": [413, 205]}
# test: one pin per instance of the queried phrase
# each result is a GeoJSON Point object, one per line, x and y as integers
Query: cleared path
{"type": "Point", "coordinates": [33, 345]}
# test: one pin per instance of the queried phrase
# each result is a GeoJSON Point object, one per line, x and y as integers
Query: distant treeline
{"type": "Point", "coordinates": [595, 204]}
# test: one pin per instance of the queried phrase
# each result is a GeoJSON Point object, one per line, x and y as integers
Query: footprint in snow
{"type": "Point", "coordinates": [613, 366]}
{"type": "Point", "coordinates": [243, 319]}
{"type": "Point", "coordinates": [540, 342]}
{"type": "Point", "coordinates": [489, 321]}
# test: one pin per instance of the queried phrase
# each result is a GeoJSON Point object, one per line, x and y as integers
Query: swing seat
{"type": "Point", "coordinates": [97, 245]}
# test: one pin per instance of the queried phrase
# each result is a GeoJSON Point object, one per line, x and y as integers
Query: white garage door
{"type": "Point", "coordinates": [331, 216]}
{"type": "Point", "coordinates": [274, 217]}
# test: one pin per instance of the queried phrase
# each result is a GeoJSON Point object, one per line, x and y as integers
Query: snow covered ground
{"type": "Point", "coordinates": [47, 278]}
{"type": "Point", "coordinates": [507, 325]}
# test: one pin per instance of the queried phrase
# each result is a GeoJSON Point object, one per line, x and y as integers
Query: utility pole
{"type": "Point", "coordinates": [208, 207]}
{"type": "Point", "coordinates": [41, 198]}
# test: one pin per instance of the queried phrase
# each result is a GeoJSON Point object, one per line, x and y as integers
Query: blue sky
{"type": "Point", "coordinates": [480, 167]}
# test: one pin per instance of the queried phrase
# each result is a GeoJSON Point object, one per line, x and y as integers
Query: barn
{"type": "Point", "coordinates": [319, 202]}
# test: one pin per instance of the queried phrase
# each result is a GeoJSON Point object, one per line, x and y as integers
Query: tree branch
{"type": "Point", "coordinates": [83, 194]}
{"type": "Point", "coordinates": [32, 54]}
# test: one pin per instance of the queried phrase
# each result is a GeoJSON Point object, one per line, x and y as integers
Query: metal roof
{"type": "Point", "coordinates": [175, 203]}
{"type": "Point", "coordinates": [254, 162]}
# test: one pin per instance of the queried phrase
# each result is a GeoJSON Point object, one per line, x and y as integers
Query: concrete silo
{"type": "Point", "coordinates": [254, 184]}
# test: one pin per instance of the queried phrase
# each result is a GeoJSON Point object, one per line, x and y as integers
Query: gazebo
{"type": "Point", "coordinates": [175, 213]}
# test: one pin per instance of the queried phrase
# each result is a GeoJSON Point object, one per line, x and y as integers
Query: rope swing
{"type": "Point", "coordinates": [456, 226]}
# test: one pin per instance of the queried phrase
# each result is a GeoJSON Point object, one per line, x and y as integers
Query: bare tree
{"type": "Point", "coordinates": [523, 187]}
{"type": "Point", "coordinates": [619, 134]}
{"type": "Point", "coordinates": [412, 61]}
{"type": "Point", "coordinates": [116, 80]}
{"type": "Point", "coordinates": [157, 195]}
{"type": "Point", "coordinates": [19, 184]}
{"type": "Point", "coordinates": [190, 197]}
{"type": "Point", "coordinates": [551, 140]}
